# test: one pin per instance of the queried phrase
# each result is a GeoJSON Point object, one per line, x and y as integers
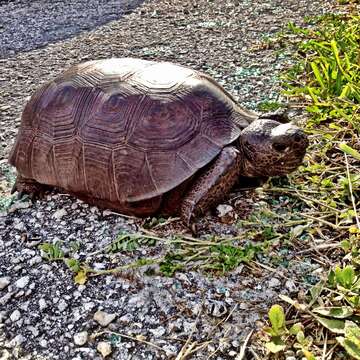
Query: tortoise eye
{"type": "Point", "coordinates": [298, 137]}
{"type": "Point", "coordinates": [279, 147]}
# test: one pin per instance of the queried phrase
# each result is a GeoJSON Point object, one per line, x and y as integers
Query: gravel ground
{"type": "Point", "coordinates": [43, 314]}
{"type": "Point", "coordinates": [26, 25]}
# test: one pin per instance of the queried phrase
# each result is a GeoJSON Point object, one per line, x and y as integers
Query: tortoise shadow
{"type": "Point", "coordinates": [28, 25]}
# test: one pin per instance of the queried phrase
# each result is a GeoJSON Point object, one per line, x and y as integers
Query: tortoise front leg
{"type": "Point", "coordinates": [213, 185]}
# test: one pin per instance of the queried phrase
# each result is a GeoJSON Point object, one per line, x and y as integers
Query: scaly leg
{"type": "Point", "coordinates": [213, 185]}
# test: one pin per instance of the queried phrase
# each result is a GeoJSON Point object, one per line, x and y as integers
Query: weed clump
{"type": "Point", "coordinates": [325, 81]}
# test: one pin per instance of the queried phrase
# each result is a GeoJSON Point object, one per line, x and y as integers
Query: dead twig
{"type": "Point", "coordinates": [351, 192]}
{"type": "Point", "coordinates": [187, 348]}
{"type": "Point", "coordinates": [319, 247]}
{"type": "Point", "coordinates": [134, 338]}
{"type": "Point", "coordinates": [241, 354]}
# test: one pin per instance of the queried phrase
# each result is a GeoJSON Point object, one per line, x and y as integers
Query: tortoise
{"type": "Point", "coordinates": [144, 137]}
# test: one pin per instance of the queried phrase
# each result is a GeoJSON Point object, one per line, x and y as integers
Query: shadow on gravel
{"type": "Point", "coordinates": [29, 24]}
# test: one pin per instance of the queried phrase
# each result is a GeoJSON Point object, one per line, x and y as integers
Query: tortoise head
{"type": "Point", "coordinates": [270, 148]}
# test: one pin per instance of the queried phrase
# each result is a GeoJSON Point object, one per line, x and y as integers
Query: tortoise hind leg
{"type": "Point", "coordinates": [212, 186]}
{"type": "Point", "coordinates": [30, 187]}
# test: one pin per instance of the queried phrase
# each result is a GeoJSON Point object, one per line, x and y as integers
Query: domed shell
{"type": "Point", "coordinates": [124, 130]}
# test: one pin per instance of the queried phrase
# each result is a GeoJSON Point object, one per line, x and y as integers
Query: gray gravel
{"type": "Point", "coordinates": [27, 24]}
{"type": "Point", "coordinates": [43, 313]}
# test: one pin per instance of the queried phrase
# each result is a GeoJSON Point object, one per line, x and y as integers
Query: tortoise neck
{"type": "Point", "coordinates": [247, 168]}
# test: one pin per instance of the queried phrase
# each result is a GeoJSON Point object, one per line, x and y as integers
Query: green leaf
{"type": "Point", "coordinates": [317, 74]}
{"type": "Point", "coordinates": [300, 337]}
{"type": "Point", "coordinates": [269, 330]}
{"type": "Point", "coordinates": [346, 276]}
{"type": "Point", "coordinates": [351, 348]}
{"type": "Point", "coordinates": [345, 91]}
{"type": "Point", "coordinates": [351, 340]}
{"type": "Point", "coordinates": [296, 328]}
{"type": "Point", "coordinates": [308, 355]}
{"type": "Point", "coordinates": [275, 345]}
{"type": "Point", "coordinates": [345, 245]}
{"type": "Point", "coordinates": [292, 302]}
{"type": "Point", "coordinates": [336, 54]}
{"type": "Point", "coordinates": [311, 92]}
{"type": "Point", "coordinates": [350, 151]}
{"type": "Point", "coordinates": [353, 300]}
{"type": "Point", "coordinates": [315, 291]}
{"type": "Point", "coordinates": [73, 265]}
{"type": "Point", "coordinates": [52, 251]}
{"type": "Point", "coordinates": [313, 109]}
{"type": "Point", "coordinates": [277, 318]}
{"type": "Point", "coordinates": [340, 312]}
{"type": "Point", "coordinates": [352, 332]}
{"type": "Point", "coordinates": [331, 278]}
{"type": "Point", "coordinates": [334, 325]}
{"type": "Point", "coordinates": [80, 277]}
{"type": "Point", "coordinates": [338, 84]}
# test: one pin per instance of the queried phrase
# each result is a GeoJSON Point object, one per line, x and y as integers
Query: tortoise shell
{"type": "Point", "coordinates": [124, 130]}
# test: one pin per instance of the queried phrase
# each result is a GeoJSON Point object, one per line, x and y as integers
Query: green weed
{"type": "Point", "coordinates": [325, 80]}
{"type": "Point", "coordinates": [268, 105]}
{"type": "Point", "coordinates": [51, 251]}
{"type": "Point", "coordinates": [129, 242]}
{"type": "Point", "coordinates": [333, 305]}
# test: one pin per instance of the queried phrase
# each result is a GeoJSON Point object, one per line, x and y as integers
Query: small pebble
{"type": "Point", "coordinates": [4, 282]}
{"type": "Point", "coordinates": [81, 338]}
{"type": "Point", "coordinates": [274, 282]}
{"type": "Point", "coordinates": [19, 226]}
{"type": "Point", "coordinates": [43, 343]}
{"type": "Point", "coordinates": [42, 304]}
{"type": "Point", "coordinates": [103, 318]}
{"type": "Point", "coordinates": [226, 213]}
{"type": "Point", "coordinates": [18, 340]}
{"type": "Point", "coordinates": [6, 298]}
{"type": "Point", "coordinates": [104, 348]}
{"type": "Point", "coordinates": [158, 332]}
{"type": "Point", "coordinates": [62, 305]}
{"type": "Point", "coordinates": [59, 214]}
{"type": "Point", "coordinates": [18, 206]}
{"type": "Point", "coordinates": [22, 282]}
{"type": "Point", "coordinates": [290, 285]}
{"type": "Point", "coordinates": [15, 316]}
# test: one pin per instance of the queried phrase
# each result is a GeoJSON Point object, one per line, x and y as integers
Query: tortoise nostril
{"type": "Point", "coordinates": [279, 147]}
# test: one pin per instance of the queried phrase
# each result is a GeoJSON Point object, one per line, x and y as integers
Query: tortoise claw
{"type": "Point", "coordinates": [19, 195]}
{"type": "Point", "coordinates": [194, 228]}
{"type": "Point", "coordinates": [13, 189]}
